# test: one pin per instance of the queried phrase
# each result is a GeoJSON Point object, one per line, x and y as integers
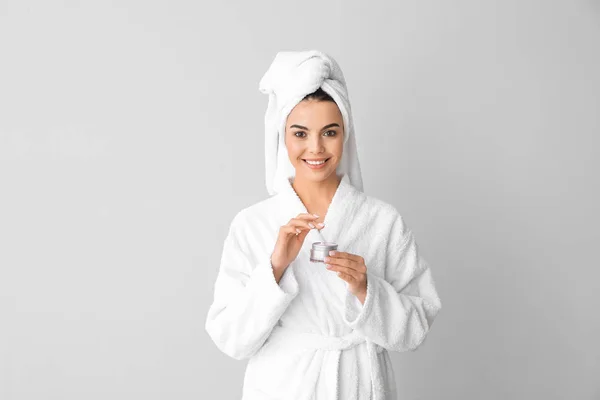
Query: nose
{"type": "Point", "coordinates": [315, 144]}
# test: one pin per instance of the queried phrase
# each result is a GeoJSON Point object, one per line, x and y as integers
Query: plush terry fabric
{"type": "Point", "coordinates": [308, 337]}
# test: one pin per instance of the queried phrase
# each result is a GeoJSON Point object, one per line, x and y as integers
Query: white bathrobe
{"type": "Point", "coordinates": [308, 337]}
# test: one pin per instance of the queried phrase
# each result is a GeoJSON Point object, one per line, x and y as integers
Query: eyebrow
{"type": "Point", "coordinates": [305, 128]}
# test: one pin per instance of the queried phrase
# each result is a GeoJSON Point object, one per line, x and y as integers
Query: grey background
{"type": "Point", "coordinates": [132, 132]}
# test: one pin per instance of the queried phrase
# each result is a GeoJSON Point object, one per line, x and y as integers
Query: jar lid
{"type": "Point", "coordinates": [324, 245]}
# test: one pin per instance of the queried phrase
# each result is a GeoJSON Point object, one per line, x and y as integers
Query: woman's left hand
{"type": "Point", "coordinates": [352, 269]}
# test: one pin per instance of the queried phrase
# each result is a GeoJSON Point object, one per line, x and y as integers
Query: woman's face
{"type": "Point", "coordinates": [314, 130]}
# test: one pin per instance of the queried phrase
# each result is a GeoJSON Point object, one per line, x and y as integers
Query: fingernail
{"type": "Point", "coordinates": [316, 215]}
{"type": "Point", "coordinates": [327, 259]}
{"type": "Point", "coordinates": [321, 224]}
{"type": "Point", "coordinates": [298, 230]}
{"type": "Point", "coordinates": [327, 266]}
{"type": "Point", "coordinates": [332, 253]}
{"type": "Point", "coordinates": [311, 225]}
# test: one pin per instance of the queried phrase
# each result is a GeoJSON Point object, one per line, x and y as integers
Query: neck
{"type": "Point", "coordinates": [315, 193]}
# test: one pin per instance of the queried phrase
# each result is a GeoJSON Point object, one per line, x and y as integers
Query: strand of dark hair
{"type": "Point", "coordinates": [319, 95]}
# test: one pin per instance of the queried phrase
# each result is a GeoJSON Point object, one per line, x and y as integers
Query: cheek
{"type": "Point", "coordinates": [338, 148]}
{"type": "Point", "coordinates": [294, 150]}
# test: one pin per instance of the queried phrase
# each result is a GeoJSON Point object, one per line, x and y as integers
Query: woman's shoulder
{"type": "Point", "coordinates": [384, 214]}
{"type": "Point", "coordinates": [381, 207]}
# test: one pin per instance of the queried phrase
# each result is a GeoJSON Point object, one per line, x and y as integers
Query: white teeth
{"type": "Point", "coordinates": [315, 162]}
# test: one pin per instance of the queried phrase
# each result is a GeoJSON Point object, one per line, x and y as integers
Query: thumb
{"type": "Point", "coordinates": [302, 235]}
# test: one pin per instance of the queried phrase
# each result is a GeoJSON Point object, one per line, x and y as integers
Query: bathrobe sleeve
{"type": "Point", "coordinates": [399, 309]}
{"type": "Point", "coordinates": [248, 302]}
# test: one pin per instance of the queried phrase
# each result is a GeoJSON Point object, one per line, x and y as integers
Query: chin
{"type": "Point", "coordinates": [315, 176]}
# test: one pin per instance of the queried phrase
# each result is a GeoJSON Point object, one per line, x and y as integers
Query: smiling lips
{"type": "Point", "coordinates": [316, 164]}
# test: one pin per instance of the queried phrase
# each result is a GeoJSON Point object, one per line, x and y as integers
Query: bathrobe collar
{"type": "Point", "coordinates": [336, 217]}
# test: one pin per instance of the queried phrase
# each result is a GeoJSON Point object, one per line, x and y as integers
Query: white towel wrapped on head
{"type": "Point", "coordinates": [291, 76]}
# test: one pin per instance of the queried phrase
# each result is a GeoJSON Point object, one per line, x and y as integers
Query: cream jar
{"type": "Point", "coordinates": [320, 250]}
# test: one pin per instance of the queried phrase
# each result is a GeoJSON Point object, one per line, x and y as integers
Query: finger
{"type": "Point", "coordinates": [296, 228]}
{"type": "Point", "coordinates": [302, 224]}
{"type": "Point", "coordinates": [345, 270]}
{"type": "Point", "coordinates": [349, 256]}
{"type": "Point", "coordinates": [290, 230]}
{"type": "Point", "coordinates": [346, 263]}
{"type": "Point", "coordinates": [338, 261]}
{"type": "Point", "coordinates": [356, 262]}
{"type": "Point", "coordinates": [346, 277]}
{"type": "Point", "coordinates": [307, 216]}
{"type": "Point", "coordinates": [303, 233]}
{"type": "Point", "coordinates": [299, 232]}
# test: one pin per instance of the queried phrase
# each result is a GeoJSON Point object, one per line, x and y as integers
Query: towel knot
{"type": "Point", "coordinates": [293, 74]}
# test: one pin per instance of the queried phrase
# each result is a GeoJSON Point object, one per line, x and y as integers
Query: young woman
{"type": "Point", "coordinates": [318, 331]}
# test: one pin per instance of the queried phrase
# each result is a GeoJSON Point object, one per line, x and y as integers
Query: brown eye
{"type": "Point", "coordinates": [295, 133]}
{"type": "Point", "coordinates": [333, 133]}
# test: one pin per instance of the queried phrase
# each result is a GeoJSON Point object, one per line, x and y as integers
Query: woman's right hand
{"type": "Point", "coordinates": [290, 240]}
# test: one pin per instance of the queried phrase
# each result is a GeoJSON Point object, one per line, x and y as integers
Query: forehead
{"type": "Point", "coordinates": [314, 114]}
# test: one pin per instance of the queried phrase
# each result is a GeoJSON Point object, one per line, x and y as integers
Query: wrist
{"type": "Point", "coordinates": [277, 272]}
{"type": "Point", "coordinates": [361, 295]}
{"type": "Point", "coordinates": [277, 267]}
